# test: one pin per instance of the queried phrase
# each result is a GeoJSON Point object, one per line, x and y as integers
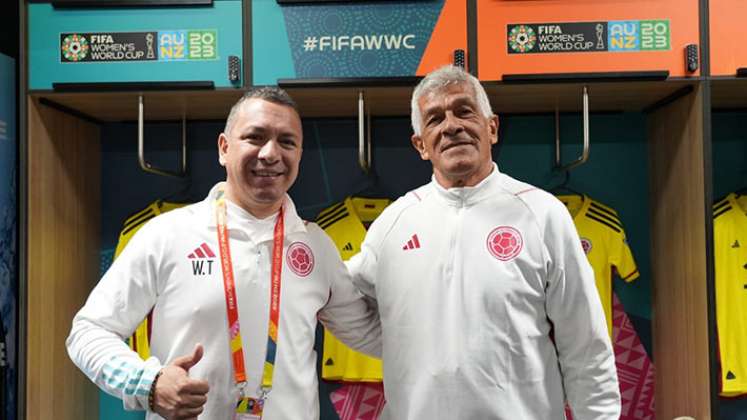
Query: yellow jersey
{"type": "Point", "coordinates": [730, 252]}
{"type": "Point", "coordinates": [346, 223]}
{"type": "Point", "coordinates": [603, 239]}
{"type": "Point", "coordinates": [140, 338]}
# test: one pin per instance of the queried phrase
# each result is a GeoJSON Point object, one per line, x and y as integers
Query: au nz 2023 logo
{"type": "Point", "coordinates": [188, 45]}
{"type": "Point", "coordinates": [638, 35]}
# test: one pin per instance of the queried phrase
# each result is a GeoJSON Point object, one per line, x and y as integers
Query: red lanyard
{"type": "Point", "coordinates": [237, 350]}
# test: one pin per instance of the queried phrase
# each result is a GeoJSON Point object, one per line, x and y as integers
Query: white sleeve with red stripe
{"type": "Point", "coordinates": [115, 307]}
{"type": "Point", "coordinates": [584, 349]}
{"type": "Point", "coordinates": [347, 315]}
{"type": "Point", "coordinates": [363, 265]}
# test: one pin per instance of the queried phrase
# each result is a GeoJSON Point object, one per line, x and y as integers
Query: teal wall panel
{"type": "Point", "coordinates": [110, 408]}
{"type": "Point", "coordinates": [187, 44]}
{"type": "Point", "coordinates": [729, 152]}
{"type": "Point", "coordinates": [270, 47]}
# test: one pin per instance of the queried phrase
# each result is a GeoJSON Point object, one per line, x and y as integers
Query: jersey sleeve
{"type": "Point", "coordinates": [347, 314]}
{"type": "Point", "coordinates": [115, 307]}
{"type": "Point", "coordinates": [584, 348]}
{"type": "Point", "coordinates": [621, 258]}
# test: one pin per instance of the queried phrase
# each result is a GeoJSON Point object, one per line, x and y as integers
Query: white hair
{"type": "Point", "coordinates": [439, 79]}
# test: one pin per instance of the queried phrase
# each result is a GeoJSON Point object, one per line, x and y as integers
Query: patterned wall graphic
{"type": "Point", "coordinates": [8, 235]}
{"type": "Point", "coordinates": [361, 40]}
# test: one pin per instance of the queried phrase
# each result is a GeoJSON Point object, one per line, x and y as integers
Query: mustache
{"type": "Point", "coordinates": [449, 142]}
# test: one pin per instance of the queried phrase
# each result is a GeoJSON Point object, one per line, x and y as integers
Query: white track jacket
{"type": "Point", "coordinates": [470, 282]}
{"type": "Point", "coordinates": [167, 267]}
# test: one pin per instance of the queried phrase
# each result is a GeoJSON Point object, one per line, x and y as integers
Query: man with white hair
{"type": "Point", "coordinates": [487, 301]}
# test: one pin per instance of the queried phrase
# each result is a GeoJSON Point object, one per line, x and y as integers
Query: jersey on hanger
{"type": "Point", "coordinates": [598, 225]}
{"type": "Point", "coordinates": [139, 341]}
{"type": "Point", "coordinates": [346, 224]}
{"type": "Point", "coordinates": [603, 239]}
{"type": "Point", "coordinates": [730, 250]}
{"type": "Point", "coordinates": [635, 371]}
{"type": "Point", "coordinates": [359, 401]}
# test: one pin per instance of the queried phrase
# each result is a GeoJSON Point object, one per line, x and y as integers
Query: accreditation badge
{"type": "Point", "coordinates": [249, 409]}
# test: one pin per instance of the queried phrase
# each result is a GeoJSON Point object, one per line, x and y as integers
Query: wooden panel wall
{"type": "Point", "coordinates": [680, 315]}
{"type": "Point", "coordinates": [64, 173]}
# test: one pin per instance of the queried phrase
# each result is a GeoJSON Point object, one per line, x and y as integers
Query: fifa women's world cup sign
{"type": "Point", "coordinates": [522, 37]}
{"type": "Point", "coordinates": [139, 46]}
{"type": "Point", "coordinates": [615, 36]}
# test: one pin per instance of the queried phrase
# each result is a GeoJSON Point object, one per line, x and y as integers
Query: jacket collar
{"type": "Point", "coordinates": [259, 230]}
{"type": "Point", "coordinates": [468, 196]}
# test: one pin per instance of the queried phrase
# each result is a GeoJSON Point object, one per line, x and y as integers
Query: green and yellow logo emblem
{"type": "Point", "coordinates": [522, 38]}
{"type": "Point", "coordinates": [75, 47]}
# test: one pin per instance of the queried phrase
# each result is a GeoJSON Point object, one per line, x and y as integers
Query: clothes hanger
{"type": "Point", "coordinates": [371, 187]}
{"type": "Point", "coordinates": [742, 191]}
{"type": "Point", "coordinates": [183, 194]}
{"type": "Point", "coordinates": [563, 188]}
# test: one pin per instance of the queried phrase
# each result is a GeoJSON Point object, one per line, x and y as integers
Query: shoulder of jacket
{"type": "Point", "coordinates": [538, 201]}
{"type": "Point", "coordinates": [316, 237]}
{"type": "Point", "coordinates": [409, 200]}
{"type": "Point", "coordinates": [387, 220]}
{"type": "Point", "coordinates": [178, 221]}
{"type": "Point", "coordinates": [313, 230]}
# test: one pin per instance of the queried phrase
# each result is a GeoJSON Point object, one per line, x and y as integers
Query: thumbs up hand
{"type": "Point", "coordinates": [177, 396]}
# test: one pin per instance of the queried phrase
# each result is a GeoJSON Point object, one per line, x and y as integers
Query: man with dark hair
{"type": "Point", "coordinates": [468, 313]}
{"type": "Point", "coordinates": [205, 267]}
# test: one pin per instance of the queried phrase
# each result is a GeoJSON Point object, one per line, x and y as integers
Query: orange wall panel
{"type": "Point", "coordinates": [449, 34]}
{"type": "Point", "coordinates": [728, 36]}
{"type": "Point", "coordinates": [494, 16]}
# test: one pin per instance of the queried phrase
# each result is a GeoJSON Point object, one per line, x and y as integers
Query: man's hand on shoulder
{"type": "Point", "coordinates": [176, 395]}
